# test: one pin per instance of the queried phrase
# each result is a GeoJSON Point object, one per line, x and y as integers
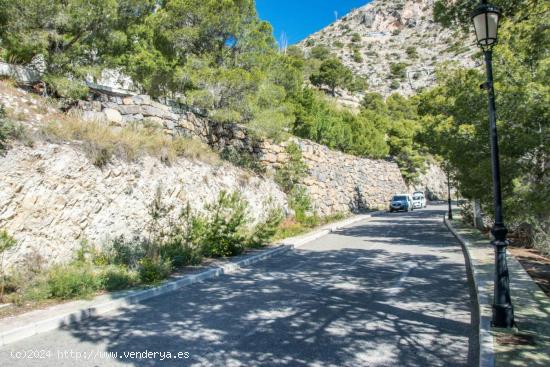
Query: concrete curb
{"type": "Point", "coordinates": [130, 297]}
{"type": "Point", "coordinates": [484, 304]}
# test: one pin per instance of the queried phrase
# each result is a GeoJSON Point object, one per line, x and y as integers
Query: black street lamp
{"type": "Point", "coordinates": [449, 194]}
{"type": "Point", "coordinates": [485, 18]}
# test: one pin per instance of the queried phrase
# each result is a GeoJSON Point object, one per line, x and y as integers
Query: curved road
{"type": "Point", "coordinates": [390, 291]}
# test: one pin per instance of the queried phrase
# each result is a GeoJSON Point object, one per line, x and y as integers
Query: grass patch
{"type": "Point", "coordinates": [102, 142]}
{"type": "Point", "coordinates": [76, 280]}
{"type": "Point", "coordinates": [292, 227]}
{"type": "Point", "coordinates": [10, 130]}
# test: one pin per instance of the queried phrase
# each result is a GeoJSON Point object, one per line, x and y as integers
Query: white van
{"type": "Point", "coordinates": [419, 200]}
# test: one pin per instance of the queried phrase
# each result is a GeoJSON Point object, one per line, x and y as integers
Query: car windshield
{"type": "Point", "coordinates": [399, 198]}
{"type": "Point", "coordinates": [417, 198]}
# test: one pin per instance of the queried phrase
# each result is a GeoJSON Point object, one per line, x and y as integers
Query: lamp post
{"type": "Point", "coordinates": [449, 194]}
{"type": "Point", "coordinates": [485, 18]}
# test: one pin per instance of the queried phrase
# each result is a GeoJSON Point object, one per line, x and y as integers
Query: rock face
{"type": "Point", "coordinates": [433, 183]}
{"type": "Point", "coordinates": [391, 32]}
{"type": "Point", "coordinates": [52, 197]}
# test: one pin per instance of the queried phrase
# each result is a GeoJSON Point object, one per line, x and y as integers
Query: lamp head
{"type": "Point", "coordinates": [486, 18]}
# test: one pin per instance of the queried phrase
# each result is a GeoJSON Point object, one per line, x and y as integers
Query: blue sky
{"type": "Point", "coordinates": [299, 18]}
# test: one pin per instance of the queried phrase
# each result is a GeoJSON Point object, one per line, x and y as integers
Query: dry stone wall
{"type": "Point", "coordinates": [337, 182]}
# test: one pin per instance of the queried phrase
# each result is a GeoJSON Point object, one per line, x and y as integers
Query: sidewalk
{"type": "Point", "coordinates": [529, 343]}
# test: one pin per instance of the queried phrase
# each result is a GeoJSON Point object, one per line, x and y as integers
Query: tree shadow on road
{"type": "Point", "coordinates": [305, 308]}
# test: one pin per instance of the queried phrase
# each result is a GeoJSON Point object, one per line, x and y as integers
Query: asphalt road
{"type": "Point", "coordinates": [390, 291]}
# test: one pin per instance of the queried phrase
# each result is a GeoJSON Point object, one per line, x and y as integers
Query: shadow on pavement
{"type": "Point", "coordinates": [348, 307]}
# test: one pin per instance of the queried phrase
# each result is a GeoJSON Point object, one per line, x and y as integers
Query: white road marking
{"type": "Point", "coordinates": [397, 288]}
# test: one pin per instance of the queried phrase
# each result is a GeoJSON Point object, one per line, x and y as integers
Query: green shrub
{"type": "Point", "coordinates": [291, 173]}
{"type": "Point", "coordinates": [357, 57]}
{"type": "Point", "coordinates": [300, 202]}
{"type": "Point", "coordinates": [264, 232]}
{"type": "Point", "coordinates": [125, 252]}
{"type": "Point", "coordinates": [398, 70]}
{"type": "Point", "coordinates": [242, 159]}
{"type": "Point", "coordinates": [9, 130]}
{"type": "Point", "coordinates": [153, 270]}
{"type": "Point", "coordinates": [118, 277]}
{"type": "Point", "coordinates": [355, 38]}
{"type": "Point", "coordinates": [38, 290]}
{"type": "Point", "coordinates": [66, 88]}
{"type": "Point", "coordinates": [395, 84]}
{"type": "Point", "coordinates": [412, 53]}
{"type": "Point", "coordinates": [338, 44]}
{"type": "Point", "coordinates": [359, 84]}
{"type": "Point", "coordinates": [345, 27]}
{"type": "Point", "coordinates": [7, 242]}
{"type": "Point", "coordinates": [320, 52]}
{"type": "Point", "coordinates": [310, 42]}
{"type": "Point", "coordinates": [180, 252]}
{"type": "Point", "coordinates": [220, 232]}
{"type": "Point", "coordinates": [72, 281]}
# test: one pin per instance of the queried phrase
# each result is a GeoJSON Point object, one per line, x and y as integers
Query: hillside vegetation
{"type": "Point", "coordinates": [218, 56]}
{"type": "Point", "coordinates": [445, 113]}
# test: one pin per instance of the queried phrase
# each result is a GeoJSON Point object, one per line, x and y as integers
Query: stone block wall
{"type": "Point", "coordinates": [337, 182]}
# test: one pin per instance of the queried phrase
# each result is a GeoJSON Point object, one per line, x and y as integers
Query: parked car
{"type": "Point", "coordinates": [418, 199]}
{"type": "Point", "coordinates": [401, 202]}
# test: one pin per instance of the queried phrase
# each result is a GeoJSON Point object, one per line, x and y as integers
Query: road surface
{"type": "Point", "coordinates": [390, 291]}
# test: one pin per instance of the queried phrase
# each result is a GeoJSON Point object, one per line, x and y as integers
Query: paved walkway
{"type": "Point", "coordinates": [391, 291]}
{"type": "Point", "coordinates": [529, 343]}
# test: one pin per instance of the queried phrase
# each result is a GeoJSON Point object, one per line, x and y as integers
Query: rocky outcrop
{"type": "Point", "coordinates": [433, 182]}
{"type": "Point", "coordinates": [391, 32]}
{"type": "Point", "coordinates": [52, 197]}
{"type": "Point", "coordinates": [25, 75]}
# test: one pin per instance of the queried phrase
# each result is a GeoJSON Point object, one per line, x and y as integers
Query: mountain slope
{"type": "Point", "coordinates": [395, 44]}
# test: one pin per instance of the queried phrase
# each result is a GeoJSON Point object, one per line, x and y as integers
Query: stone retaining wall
{"type": "Point", "coordinates": [337, 182]}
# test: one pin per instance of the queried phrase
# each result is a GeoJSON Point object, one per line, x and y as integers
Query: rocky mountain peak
{"type": "Point", "coordinates": [395, 44]}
